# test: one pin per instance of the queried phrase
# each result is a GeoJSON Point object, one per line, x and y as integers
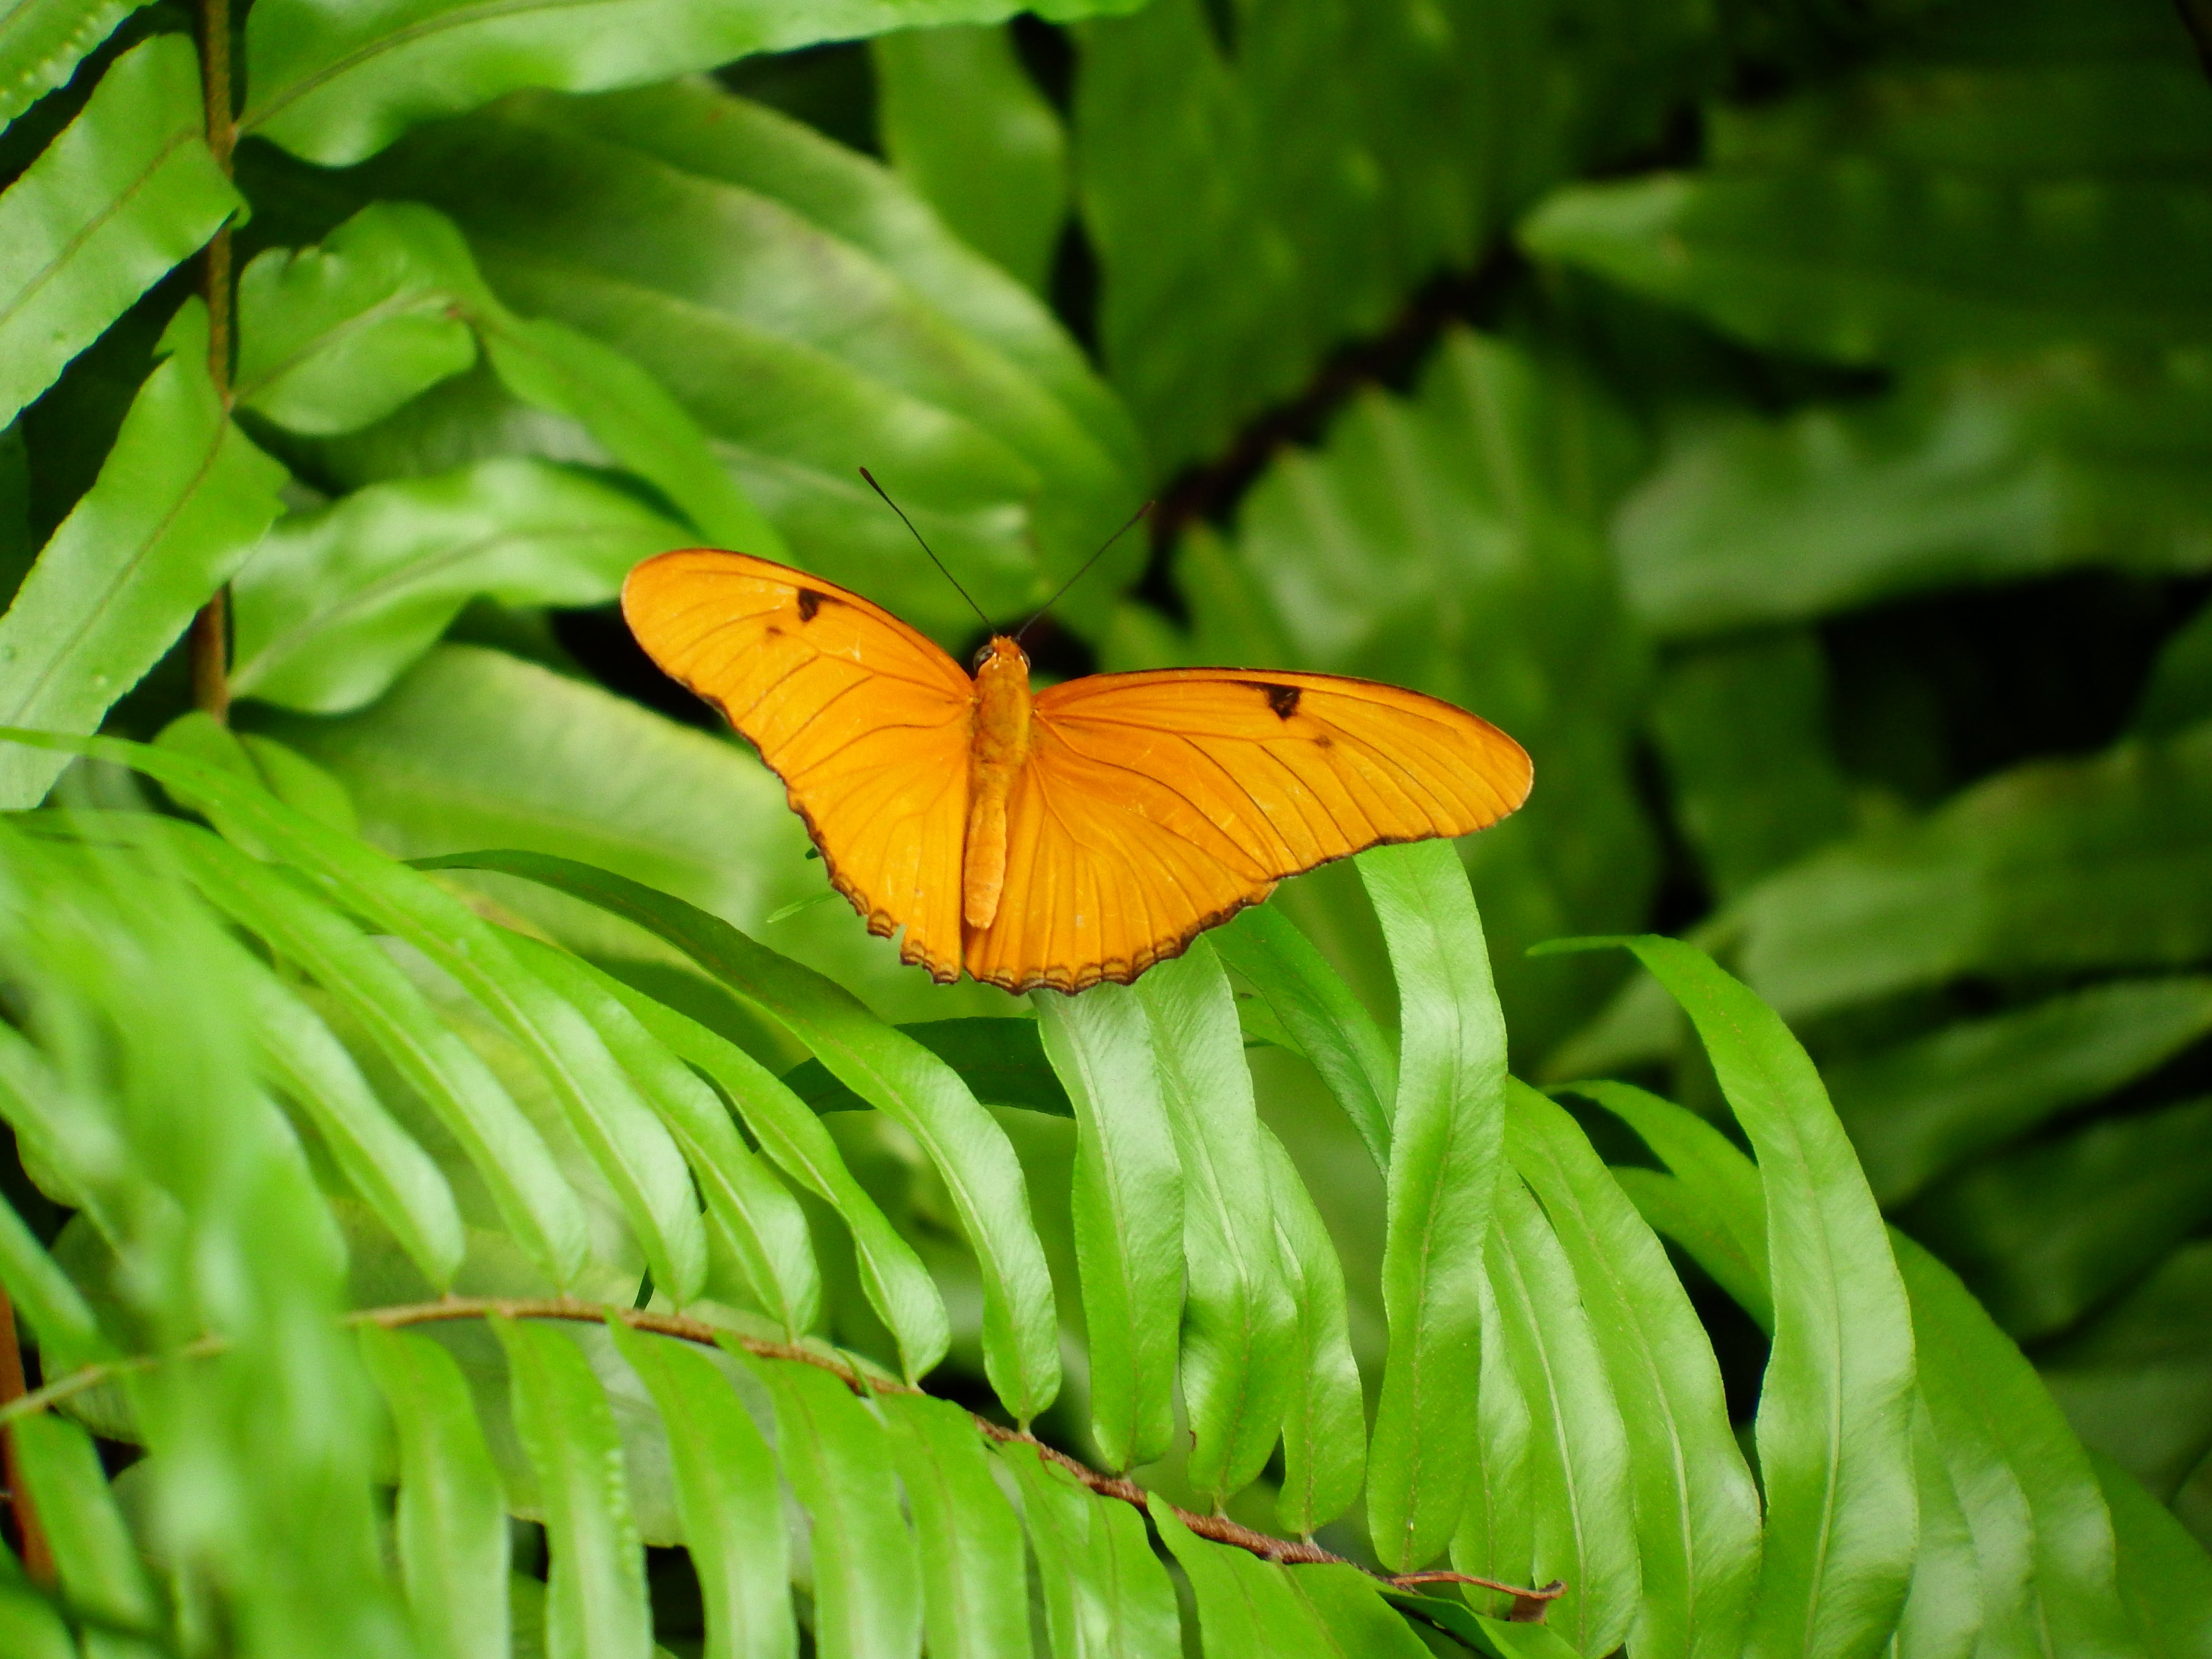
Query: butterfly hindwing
{"type": "Point", "coordinates": [865, 720]}
{"type": "Point", "coordinates": [1154, 806]}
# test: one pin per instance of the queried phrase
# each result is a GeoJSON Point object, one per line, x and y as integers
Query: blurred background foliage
{"type": "Point", "coordinates": [1791, 419]}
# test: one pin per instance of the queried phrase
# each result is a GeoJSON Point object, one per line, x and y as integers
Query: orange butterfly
{"type": "Point", "coordinates": [1078, 835]}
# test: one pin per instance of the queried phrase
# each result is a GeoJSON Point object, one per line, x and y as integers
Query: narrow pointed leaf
{"type": "Point", "coordinates": [1127, 1209]}
{"type": "Point", "coordinates": [1355, 1619]}
{"type": "Point", "coordinates": [867, 1589]}
{"type": "Point", "coordinates": [98, 1562]}
{"type": "Point", "coordinates": [504, 1146]}
{"type": "Point", "coordinates": [128, 190]}
{"type": "Point", "coordinates": [1330, 1025]}
{"type": "Point", "coordinates": [1243, 1614]}
{"type": "Point", "coordinates": [1449, 1121]}
{"type": "Point", "coordinates": [452, 1524]}
{"type": "Point", "coordinates": [178, 502]}
{"type": "Point", "coordinates": [2041, 1530]}
{"type": "Point", "coordinates": [596, 1606]}
{"type": "Point", "coordinates": [2166, 1577]}
{"type": "Point", "coordinates": [728, 1495]}
{"type": "Point", "coordinates": [1106, 1593]}
{"type": "Point", "coordinates": [623, 1139]}
{"type": "Point", "coordinates": [1239, 1327]}
{"type": "Point", "coordinates": [973, 1581]}
{"type": "Point", "coordinates": [1834, 1433]}
{"type": "Point", "coordinates": [1002, 1061]}
{"type": "Point", "coordinates": [392, 1175]}
{"type": "Point", "coordinates": [1575, 1477]}
{"type": "Point", "coordinates": [1324, 1420]}
{"type": "Point", "coordinates": [1696, 1508]}
{"type": "Point", "coordinates": [44, 1299]}
{"type": "Point", "coordinates": [892, 1072]}
{"type": "Point", "coordinates": [1942, 1616]}
{"type": "Point", "coordinates": [897, 1285]}
{"type": "Point", "coordinates": [1713, 1206]}
{"type": "Point", "coordinates": [762, 1221]}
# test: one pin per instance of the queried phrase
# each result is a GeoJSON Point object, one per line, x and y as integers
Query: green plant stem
{"type": "Point", "coordinates": [1528, 1605]}
{"type": "Point", "coordinates": [38, 1554]}
{"type": "Point", "coordinates": [211, 632]}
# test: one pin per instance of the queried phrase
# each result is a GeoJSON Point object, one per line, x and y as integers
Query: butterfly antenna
{"type": "Point", "coordinates": [1082, 573]}
{"type": "Point", "coordinates": [933, 559]}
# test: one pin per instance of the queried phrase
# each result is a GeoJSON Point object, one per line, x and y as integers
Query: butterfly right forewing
{"type": "Point", "coordinates": [865, 720]}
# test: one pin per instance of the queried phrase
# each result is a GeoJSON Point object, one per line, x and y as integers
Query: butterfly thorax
{"type": "Point", "coordinates": [1000, 744]}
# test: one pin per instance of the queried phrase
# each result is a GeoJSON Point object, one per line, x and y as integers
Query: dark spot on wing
{"type": "Point", "coordinates": [808, 602]}
{"type": "Point", "coordinates": [1323, 740]}
{"type": "Point", "coordinates": [1283, 699]}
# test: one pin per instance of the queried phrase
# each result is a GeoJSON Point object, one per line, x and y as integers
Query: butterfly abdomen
{"type": "Point", "coordinates": [1001, 743]}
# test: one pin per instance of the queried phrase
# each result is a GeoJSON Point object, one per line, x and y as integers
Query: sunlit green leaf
{"type": "Point", "coordinates": [335, 604]}
{"type": "Point", "coordinates": [124, 194]}
{"type": "Point", "coordinates": [43, 40]}
{"type": "Point", "coordinates": [178, 503]}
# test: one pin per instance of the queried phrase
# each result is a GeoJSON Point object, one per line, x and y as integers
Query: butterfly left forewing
{"type": "Point", "coordinates": [865, 720]}
{"type": "Point", "coordinates": [1154, 806]}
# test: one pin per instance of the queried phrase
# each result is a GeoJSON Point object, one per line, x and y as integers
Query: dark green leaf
{"type": "Point", "coordinates": [1861, 261]}
{"type": "Point", "coordinates": [1127, 1207]}
{"type": "Point", "coordinates": [596, 1606]}
{"type": "Point", "coordinates": [896, 1075]}
{"type": "Point", "coordinates": [452, 1529]}
{"type": "Point", "coordinates": [44, 1298]}
{"type": "Point", "coordinates": [2180, 693]}
{"type": "Point", "coordinates": [127, 192]}
{"type": "Point", "coordinates": [1454, 541]}
{"type": "Point", "coordinates": [823, 286]}
{"type": "Point", "coordinates": [2166, 1578]}
{"type": "Point", "coordinates": [335, 605]}
{"type": "Point", "coordinates": [2135, 1381]}
{"type": "Point", "coordinates": [1449, 1121]}
{"type": "Point", "coordinates": [1919, 1109]}
{"type": "Point", "coordinates": [1002, 1060]}
{"type": "Point", "coordinates": [1990, 472]}
{"type": "Point", "coordinates": [974, 1580]}
{"type": "Point", "coordinates": [1743, 726]}
{"type": "Point", "coordinates": [2045, 1233]}
{"type": "Point", "coordinates": [2056, 864]}
{"type": "Point", "coordinates": [967, 129]}
{"type": "Point", "coordinates": [727, 1492]}
{"type": "Point", "coordinates": [178, 501]}
{"type": "Point", "coordinates": [867, 1589]}
{"type": "Point", "coordinates": [1239, 1327]}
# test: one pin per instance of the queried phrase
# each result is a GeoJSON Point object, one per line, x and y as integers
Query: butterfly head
{"type": "Point", "coordinates": [1001, 655]}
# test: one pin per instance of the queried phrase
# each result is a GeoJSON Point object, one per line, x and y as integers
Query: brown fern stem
{"type": "Point", "coordinates": [1528, 1605]}
{"type": "Point", "coordinates": [211, 635]}
{"type": "Point", "coordinates": [38, 1555]}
